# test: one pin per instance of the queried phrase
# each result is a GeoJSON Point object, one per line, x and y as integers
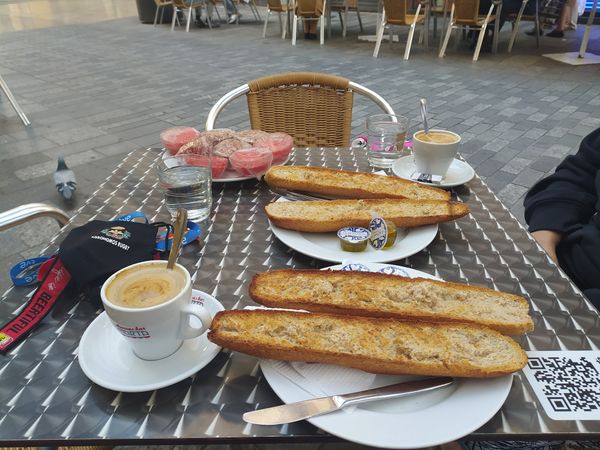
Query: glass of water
{"type": "Point", "coordinates": [186, 182]}
{"type": "Point", "coordinates": [386, 136]}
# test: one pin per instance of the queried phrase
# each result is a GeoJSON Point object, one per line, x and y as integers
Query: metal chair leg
{"type": "Point", "coordinates": [267, 21]}
{"type": "Point", "coordinates": [537, 23]}
{"type": "Point", "coordinates": [411, 33]}
{"type": "Point", "coordinates": [174, 17]}
{"type": "Point", "coordinates": [496, 28]}
{"type": "Point", "coordinates": [156, 15]}
{"type": "Point", "coordinates": [444, 19]}
{"type": "Point", "coordinates": [479, 41]}
{"type": "Point", "coordinates": [286, 25]}
{"type": "Point", "coordinates": [294, 29]}
{"type": "Point", "coordinates": [360, 25]}
{"type": "Point", "coordinates": [448, 33]}
{"type": "Point", "coordinates": [380, 32]}
{"type": "Point", "coordinates": [13, 102]}
{"type": "Point", "coordinates": [516, 23]}
{"type": "Point", "coordinates": [322, 22]}
{"type": "Point", "coordinates": [189, 20]}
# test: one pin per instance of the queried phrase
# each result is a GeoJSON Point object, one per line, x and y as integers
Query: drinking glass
{"type": "Point", "coordinates": [186, 182]}
{"type": "Point", "coordinates": [386, 135]}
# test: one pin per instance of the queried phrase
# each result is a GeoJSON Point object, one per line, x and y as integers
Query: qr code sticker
{"type": "Point", "coordinates": [567, 384]}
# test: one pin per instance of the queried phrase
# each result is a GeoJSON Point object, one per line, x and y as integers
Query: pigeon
{"type": "Point", "coordinates": [64, 178]}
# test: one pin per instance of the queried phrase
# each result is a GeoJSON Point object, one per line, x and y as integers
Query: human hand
{"type": "Point", "coordinates": [548, 240]}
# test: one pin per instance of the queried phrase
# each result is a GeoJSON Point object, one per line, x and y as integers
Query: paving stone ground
{"type": "Point", "coordinates": [94, 92]}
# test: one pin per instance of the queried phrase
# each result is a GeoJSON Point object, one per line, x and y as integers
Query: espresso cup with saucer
{"type": "Point", "coordinates": [150, 306]}
{"type": "Point", "coordinates": [434, 151]}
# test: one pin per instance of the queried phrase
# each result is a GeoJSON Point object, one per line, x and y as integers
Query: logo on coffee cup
{"type": "Point", "coordinates": [133, 332]}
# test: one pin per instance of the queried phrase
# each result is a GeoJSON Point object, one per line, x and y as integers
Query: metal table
{"type": "Point", "coordinates": [45, 399]}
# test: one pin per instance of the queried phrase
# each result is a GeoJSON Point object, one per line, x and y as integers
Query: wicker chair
{"type": "Point", "coordinates": [189, 5]}
{"type": "Point", "coordinates": [160, 5]}
{"type": "Point", "coordinates": [309, 10]}
{"type": "Point", "coordinates": [395, 13]}
{"type": "Point", "coordinates": [314, 108]}
{"type": "Point", "coordinates": [343, 7]}
{"type": "Point", "coordinates": [278, 7]}
{"type": "Point", "coordinates": [465, 13]}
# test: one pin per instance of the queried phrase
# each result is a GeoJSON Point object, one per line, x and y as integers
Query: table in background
{"type": "Point", "coordinates": [46, 399]}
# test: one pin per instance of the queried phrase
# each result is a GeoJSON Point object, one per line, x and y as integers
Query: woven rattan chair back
{"type": "Point", "coordinates": [466, 11]}
{"type": "Point", "coordinates": [314, 108]}
{"type": "Point", "coordinates": [395, 11]}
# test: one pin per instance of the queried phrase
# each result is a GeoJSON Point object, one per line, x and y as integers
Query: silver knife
{"type": "Point", "coordinates": [293, 412]}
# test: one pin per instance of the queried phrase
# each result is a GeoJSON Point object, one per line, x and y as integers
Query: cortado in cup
{"type": "Point", "coordinates": [151, 307]}
{"type": "Point", "coordinates": [186, 182]}
{"type": "Point", "coordinates": [434, 151]}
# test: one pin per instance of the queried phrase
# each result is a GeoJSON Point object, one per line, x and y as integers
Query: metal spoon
{"type": "Point", "coordinates": [424, 115]}
{"type": "Point", "coordinates": [178, 232]}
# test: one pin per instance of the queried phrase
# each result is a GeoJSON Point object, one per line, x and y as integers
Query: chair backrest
{"type": "Point", "coordinates": [314, 108]}
{"type": "Point", "coordinates": [184, 4]}
{"type": "Point", "coordinates": [395, 11]}
{"type": "Point", "coordinates": [466, 11]}
{"type": "Point", "coordinates": [308, 8]}
{"type": "Point", "coordinates": [275, 5]}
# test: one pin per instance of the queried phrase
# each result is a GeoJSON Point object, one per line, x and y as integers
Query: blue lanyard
{"type": "Point", "coordinates": [163, 241]}
{"type": "Point", "coordinates": [25, 272]}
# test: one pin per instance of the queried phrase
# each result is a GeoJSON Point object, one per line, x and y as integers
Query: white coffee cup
{"type": "Point", "coordinates": [435, 151]}
{"type": "Point", "coordinates": [155, 331]}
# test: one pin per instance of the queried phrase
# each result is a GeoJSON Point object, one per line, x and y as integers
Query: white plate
{"type": "Point", "coordinates": [108, 361]}
{"type": "Point", "coordinates": [326, 246]}
{"type": "Point", "coordinates": [390, 269]}
{"type": "Point", "coordinates": [231, 175]}
{"type": "Point", "coordinates": [423, 420]}
{"type": "Point", "coordinates": [458, 173]}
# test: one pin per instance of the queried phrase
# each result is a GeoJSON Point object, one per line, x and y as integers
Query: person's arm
{"type": "Point", "coordinates": [548, 240]}
{"type": "Point", "coordinates": [567, 198]}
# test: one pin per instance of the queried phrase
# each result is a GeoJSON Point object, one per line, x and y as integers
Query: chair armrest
{"type": "Point", "coordinates": [30, 211]}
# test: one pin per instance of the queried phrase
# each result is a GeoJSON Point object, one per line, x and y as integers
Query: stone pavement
{"type": "Point", "coordinates": [94, 92]}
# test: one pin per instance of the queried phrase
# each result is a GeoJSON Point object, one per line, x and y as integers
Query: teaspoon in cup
{"type": "Point", "coordinates": [178, 232]}
{"type": "Point", "coordinates": [424, 115]}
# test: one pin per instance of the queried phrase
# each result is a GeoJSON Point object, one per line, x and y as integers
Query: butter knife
{"type": "Point", "coordinates": [294, 412]}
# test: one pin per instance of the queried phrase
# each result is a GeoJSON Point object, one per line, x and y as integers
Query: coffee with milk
{"type": "Point", "coordinates": [145, 286]}
{"type": "Point", "coordinates": [437, 137]}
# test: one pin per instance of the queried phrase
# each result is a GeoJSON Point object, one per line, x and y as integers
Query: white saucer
{"type": "Point", "coordinates": [108, 361]}
{"type": "Point", "coordinates": [458, 173]}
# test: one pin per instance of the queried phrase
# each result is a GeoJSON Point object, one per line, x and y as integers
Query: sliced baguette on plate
{"type": "Point", "coordinates": [342, 183]}
{"type": "Point", "coordinates": [331, 215]}
{"type": "Point", "coordinates": [392, 296]}
{"type": "Point", "coordinates": [387, 346]}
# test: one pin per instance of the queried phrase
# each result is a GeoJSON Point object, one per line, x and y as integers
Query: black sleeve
{"type": "Point", "coordinates": [568, 197]}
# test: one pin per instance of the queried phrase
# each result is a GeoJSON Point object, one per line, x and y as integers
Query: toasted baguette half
{"type": "Point", "coordinates": [382, 295]}
{"type": "Point", "coordinates": [342, 183]}
{"type": "Point", "coordinates": [377, 345]}
{"type": "Point", "coordinates": [331, 215]}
